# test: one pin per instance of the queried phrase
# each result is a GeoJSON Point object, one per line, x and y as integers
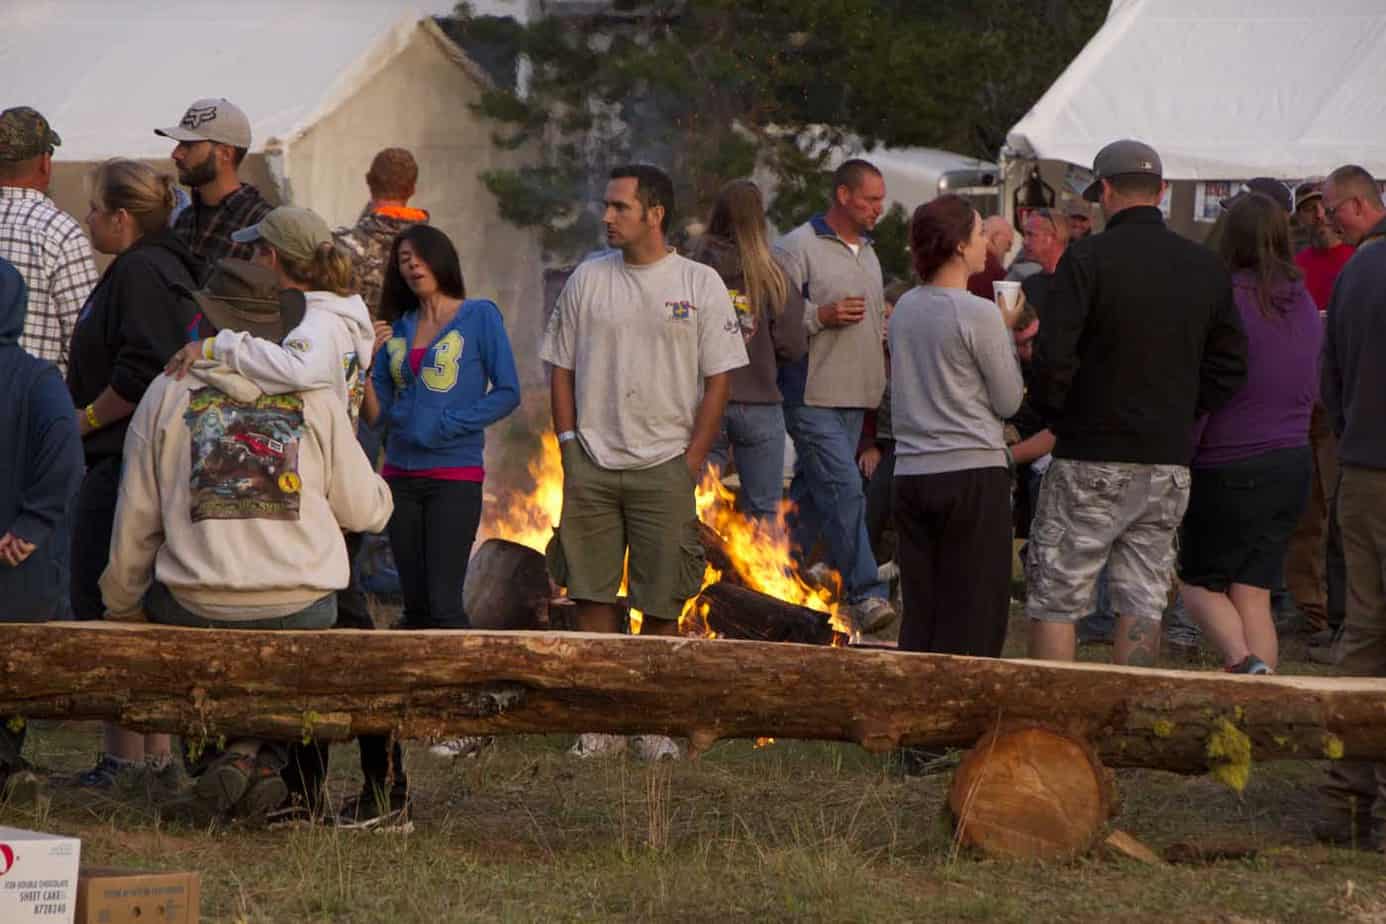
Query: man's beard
{"type": "Point", "coordinates": [198, 174]}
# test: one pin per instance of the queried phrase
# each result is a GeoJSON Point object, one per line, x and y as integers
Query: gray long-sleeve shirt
{"type": "Point", "coordinates": [954, 379]}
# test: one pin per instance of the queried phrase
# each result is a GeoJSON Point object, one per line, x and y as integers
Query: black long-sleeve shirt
{"type": "Point", "coordinates": [133, 323]}
{"type": "Point", "coordinates": [1353, 384]}
{"type": "Point", "coordinates": [1140, 335]}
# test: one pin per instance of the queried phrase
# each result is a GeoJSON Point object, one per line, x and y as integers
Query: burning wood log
{"type": "Point", "coordinates": [741, 613]}
{"type": "Point", "coordinates": [422, 683]}
{"type": "Point", "coordinates": [715, 550]}
{"type": "Point", "coordinates": [507, 587]}
{"type": "Point", "coordinates": [1030, 792]}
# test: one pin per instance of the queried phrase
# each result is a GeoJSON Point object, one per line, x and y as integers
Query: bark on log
{"type": "Point", "coordinates": [421, 683]}
{"type": "Point", "coordinates": [741, 613]}
{"type": "Point", "coordinates": [1028, 792]}
{"type": "Point", "coordinates": [507, 587]}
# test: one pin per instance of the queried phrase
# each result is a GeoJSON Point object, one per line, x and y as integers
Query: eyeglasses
{"type": "Point", "coordinates": [1331, 211]}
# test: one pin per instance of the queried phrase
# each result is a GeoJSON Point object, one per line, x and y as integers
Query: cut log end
{"type": "Point", "coordinates": [1029, 792]}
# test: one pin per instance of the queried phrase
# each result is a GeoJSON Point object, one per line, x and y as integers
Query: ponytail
{"type": "Point", "coordinates": [147, 195]}
{"type": "Point", "coordinates": [329, 270]}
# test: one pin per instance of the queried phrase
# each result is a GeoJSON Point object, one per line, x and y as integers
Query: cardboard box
{"type": "Point", "coordinates": [136, 896]}
{"type": "Point", "coordinates": [38, 876]}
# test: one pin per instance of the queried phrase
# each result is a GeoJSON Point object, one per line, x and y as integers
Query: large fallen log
{"type": "Point", "coordinates": [341, 683]}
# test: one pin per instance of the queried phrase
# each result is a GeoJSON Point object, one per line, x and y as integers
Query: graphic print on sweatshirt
{"type": "Point", "coordinates": [745, 313]}
{"type": "Point", "coordinates": [354, 374]}
{"type": "Point", "coordinates": [244, 456]}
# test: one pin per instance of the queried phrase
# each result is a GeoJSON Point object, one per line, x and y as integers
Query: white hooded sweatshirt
{"type": "Point", "coordinates": [236, 500]}
{"type": "Point", "coordinates": [331, 348]}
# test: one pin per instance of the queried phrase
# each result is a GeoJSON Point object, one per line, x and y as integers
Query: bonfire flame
{"type": "Point", "coordinates": [759, 552]}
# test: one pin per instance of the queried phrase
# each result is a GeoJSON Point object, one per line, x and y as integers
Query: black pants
{"type": "Point", "coordinates": [954, 554]}
{"type": "Point", "coordinates": [93, 519]}
{"type": "Point", "coordinates": [879, 491]}
{"type": "Point", "coordinates": [382, 765]}
{"type": "Point", "coordinates": [431, 535]}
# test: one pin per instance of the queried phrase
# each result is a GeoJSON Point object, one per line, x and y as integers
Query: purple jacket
{"type": "Point", "coordinates": [1272, 409]}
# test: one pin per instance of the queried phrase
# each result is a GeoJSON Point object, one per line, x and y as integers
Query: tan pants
{"type": "Point", "coordinates": [1356, 790]}
{"type": "Point", "coordinates": [1305, 562]}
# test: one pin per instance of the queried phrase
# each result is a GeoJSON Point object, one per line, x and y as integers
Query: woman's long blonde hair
{"type": "Point", "coordinates": [739, 216]}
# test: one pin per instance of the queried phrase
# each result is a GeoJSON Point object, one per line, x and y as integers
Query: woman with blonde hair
{"type": "Point", "coordinates": [135, 319]}
{"type": "Point", "coordinates": [737, 245]}
{"type": "Point", "coordinates": [331, 347]}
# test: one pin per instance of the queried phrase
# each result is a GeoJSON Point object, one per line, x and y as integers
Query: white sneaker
{"type": "Point", "coordinates": [596, 744]}
{"type": "Point", "coordinates": [655, 747]}
{"type": "Point", "coordinates": [468, 746]}
{"type": "Point", "coordinates": [873, 614]}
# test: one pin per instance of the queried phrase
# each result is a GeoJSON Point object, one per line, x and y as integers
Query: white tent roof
{"type": "Point", "coordinates": [1224, 89]}
{"type": "Point", "coordinates": [106, 73]}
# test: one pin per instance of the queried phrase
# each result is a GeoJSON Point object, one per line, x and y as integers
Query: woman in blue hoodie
{"type": "Point", "coordinates": [444, 374]}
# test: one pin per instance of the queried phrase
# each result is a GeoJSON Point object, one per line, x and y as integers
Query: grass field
{"type": "Point", "coordinates": [793, 831]}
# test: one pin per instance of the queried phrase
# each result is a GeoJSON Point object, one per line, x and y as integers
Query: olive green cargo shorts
{"type": "Point", "coordinates": [649, 511]}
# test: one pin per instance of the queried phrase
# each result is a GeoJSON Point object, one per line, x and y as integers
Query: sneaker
{"type": "Point", "coordinates": [241, 785]}
{"type": "Point", "coordinates": [366, 812]}
{"type": "Point", "coordinates": [1250, 665]}
{"type": "Point", "coordinates": [820, 575]}
{"type": "Point", "coordinates": [467, 746]}
{"type": "Point", "coordinates": [596, 744]}
{"type": "Point", "coordinates": [873, 614]}
{"type": "Point", "coordinates": [105, 774]}
{"type": "Point", "coordinates": [21, 788]}
{"type": "Point", "coordinates": [1321, 639]}
{"type": "Point", "coordinates": [655, 747]}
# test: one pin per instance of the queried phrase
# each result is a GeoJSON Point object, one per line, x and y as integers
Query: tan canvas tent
{"type": "Point", "coordinates": [325, 83]}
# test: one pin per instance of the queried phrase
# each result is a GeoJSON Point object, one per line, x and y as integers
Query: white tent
{"type": "Point", "coordinates": [1223, 89]}
{"type": "Point", "coordinates": [325, 83]}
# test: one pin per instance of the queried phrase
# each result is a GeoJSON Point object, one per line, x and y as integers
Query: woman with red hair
{"type": "Point", "coordinates": [954, 380]}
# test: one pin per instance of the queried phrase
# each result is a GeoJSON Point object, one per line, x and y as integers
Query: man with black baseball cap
{"type": "Point", "coordinates": [1140, 337]}
{"type": "Point", "coordinates": [213, 137]}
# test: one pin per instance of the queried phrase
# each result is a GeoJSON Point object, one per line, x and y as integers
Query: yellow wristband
{"type": "Point", "coordinates": [92, 421]}
{"type": "Point", "coordinates": [209, 349]}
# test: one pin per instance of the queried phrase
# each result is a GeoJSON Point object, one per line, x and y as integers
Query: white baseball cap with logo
{"type": "Point", "coordinates": [211, 119]}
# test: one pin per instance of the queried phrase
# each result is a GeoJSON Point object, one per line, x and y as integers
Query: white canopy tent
{"type": "Point", "coordinates": [1223, 89]}
{"type": "Point", "coordinates": [325, 83]}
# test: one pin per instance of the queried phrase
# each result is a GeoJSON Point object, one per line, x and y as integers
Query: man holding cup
{"type": "Point", "coordinates": [1140, 337]}
{"type": "Point", "coordinates": [830, 260]}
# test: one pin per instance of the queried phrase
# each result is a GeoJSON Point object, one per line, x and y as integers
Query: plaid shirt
{"type": "Point", "coordinates": [207, 229]}
{"type": "Point", "coordinates": [50, 251]}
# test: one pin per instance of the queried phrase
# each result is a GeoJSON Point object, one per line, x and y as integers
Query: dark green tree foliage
{"type": "Point", "coordinates": [717, 89]}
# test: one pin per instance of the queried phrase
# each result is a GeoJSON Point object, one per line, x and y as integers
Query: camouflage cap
{"type": "Point", "coordinates": [25, 133]}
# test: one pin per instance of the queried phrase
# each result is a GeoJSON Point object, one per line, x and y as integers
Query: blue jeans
{"type": "Point", "coordinates": [828, 497]}
{"type": "Point", "coordinates": [165, 610]}
{"type": "Point", "coordinates": [753, 436]}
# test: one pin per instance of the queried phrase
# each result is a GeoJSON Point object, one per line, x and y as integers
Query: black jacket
{"type": "Point", "coordinates": [133, 323]}
{"type": "Point", "coordinates": [1140, 335]}
{"type": "Point", "coordinates": [1354, 384]}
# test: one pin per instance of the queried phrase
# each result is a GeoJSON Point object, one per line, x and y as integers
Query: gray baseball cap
{"type": "Point", "coordinates": [211, 119]}
{"type": "Point", "coordinates": [1121, 158]}
{"type": "Point", "coordinates": [296, 233]}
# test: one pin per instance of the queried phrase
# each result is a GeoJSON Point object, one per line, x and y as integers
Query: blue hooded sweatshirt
{"type": "Point", "coordinates": [467, 382]}
{"type": "Point", "coordinates": [40, 466]}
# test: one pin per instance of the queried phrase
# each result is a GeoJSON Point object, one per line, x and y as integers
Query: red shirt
{"type": "Point", "coordinates": [1321, 267]}
{"type": "Point", "coordinates": [979, 284]}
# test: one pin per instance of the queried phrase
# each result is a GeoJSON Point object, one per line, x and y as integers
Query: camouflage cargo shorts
{"type": "Point", "coordinates": [1091, 514]}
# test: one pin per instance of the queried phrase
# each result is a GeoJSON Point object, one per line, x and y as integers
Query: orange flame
{"type": "Point", "coordinates": [759, 552]}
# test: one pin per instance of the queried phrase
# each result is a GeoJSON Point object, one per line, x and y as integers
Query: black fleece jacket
{"type": "Point", "coordinates": [133, 323]}
{"type": "Point", "coordinates": [1354, 384]}
{"type": "Point", "coordinates": [1140, 336]}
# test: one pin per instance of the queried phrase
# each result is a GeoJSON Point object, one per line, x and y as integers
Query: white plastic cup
{"type": "Point", "coordinates": [1007, 295]}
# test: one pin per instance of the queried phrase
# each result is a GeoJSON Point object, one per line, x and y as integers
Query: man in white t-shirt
{"type": "Point", "coordinates": [641, 345]}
